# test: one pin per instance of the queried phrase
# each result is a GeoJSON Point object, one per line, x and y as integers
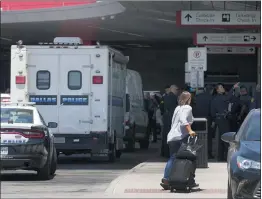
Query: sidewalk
{"type": "Point", "coordinates": [143, 181]}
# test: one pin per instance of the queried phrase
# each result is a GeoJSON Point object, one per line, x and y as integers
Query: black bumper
{"type": "Point", "coordinates": [246, 184]}
{"type": "Point", "coordinates": [23, 161]}
{"type": "Point", "coordinates": [82, 143]}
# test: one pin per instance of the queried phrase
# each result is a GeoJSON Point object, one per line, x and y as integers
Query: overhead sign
{"type": "Point", "coordinates": [197, 79]}
{"type": "Point", "coordinates": [230, 50]}
{"type": "Point", "coordinates": [234, 19]}
{"type": "Point", "coordinates": [197, 59]}
{"type": "Point", "coordinates": [228, 39]}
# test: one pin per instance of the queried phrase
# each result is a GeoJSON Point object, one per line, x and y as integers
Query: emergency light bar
{"type": "Point", "coordinates": [68, 40]}
{"type": "Point", "coordinates": [18, 103]}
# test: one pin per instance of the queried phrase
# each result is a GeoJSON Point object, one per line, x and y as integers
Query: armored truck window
{"type": "Point", "coordinates": [43, 80]}
{"type": "Point", "coordinates": [74, 80]}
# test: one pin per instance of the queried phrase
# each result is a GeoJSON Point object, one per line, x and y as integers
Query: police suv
{"type": "Point", "coordinates": [26, 141]}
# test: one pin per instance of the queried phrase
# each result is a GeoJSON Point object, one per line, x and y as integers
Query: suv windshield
{"type": "Point", "coordinates": [253, 132]}
{"type": "Point", "coordinates": [16, 115]}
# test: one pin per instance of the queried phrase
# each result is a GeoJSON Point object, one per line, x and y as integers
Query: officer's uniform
{"type": "Point", "coordinates": [256, 101]}
{"type": "Point", "coordinates": [170, 103]}
{"type": "Point", "coordinates": [202, 110]}
{"type": "Point", "coordinates": [245, 103]}
{"type": "Point", "coordinates": [234, 109]}
{"type": "Point", "coordinates": [219, 113]}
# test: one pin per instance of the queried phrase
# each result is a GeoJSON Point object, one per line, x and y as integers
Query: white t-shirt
{"type": "Point", "coordinates": [182, 116]}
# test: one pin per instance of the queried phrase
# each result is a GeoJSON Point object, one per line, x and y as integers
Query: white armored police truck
{"type": "Point", "coordinates": [82, 88]}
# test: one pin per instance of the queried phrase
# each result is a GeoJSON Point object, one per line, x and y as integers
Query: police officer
{"type": "Point", "coordinates": [256, 100]}
{"type": "Point", "coordinates": [202, 110]}
{"type": "Point", "coordinates": [162, 109]}
{"type": "Point", "coordinates": [234, 109]}
{"type": "Point", "coordinates": [170, 103]}
{"type": "Point", "coordinates": [245, 103]}
{"type": "Point", "coordinates": [219, 111]}
{"type": "Point", "coordinates": [161, 106]}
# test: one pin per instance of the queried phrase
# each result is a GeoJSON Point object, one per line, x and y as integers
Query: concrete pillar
{"type": "Point", "coordinates": [259, 66]}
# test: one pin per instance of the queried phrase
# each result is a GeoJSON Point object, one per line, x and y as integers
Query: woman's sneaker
{"type": "Point", "coordinates": [164, 184]}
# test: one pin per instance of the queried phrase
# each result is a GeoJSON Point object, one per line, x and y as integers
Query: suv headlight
{"type": "Point", "coordinates": [244, 163]}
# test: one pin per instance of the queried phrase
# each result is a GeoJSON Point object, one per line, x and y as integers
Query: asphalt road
{"type": "Point", "coordinates": [75, 177]}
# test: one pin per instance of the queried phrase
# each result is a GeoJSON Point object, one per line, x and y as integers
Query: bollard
{"type": "Point", "coordinates": [201, 129]}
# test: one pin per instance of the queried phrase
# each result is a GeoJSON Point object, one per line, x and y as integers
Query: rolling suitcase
{"type": "Point", "coordinates": [182, 172]}
{"type": "Point", "coordinates": [181, 175]}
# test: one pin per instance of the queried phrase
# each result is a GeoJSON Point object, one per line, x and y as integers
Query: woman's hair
{"type": "Point", "coordinates": [184, 98]}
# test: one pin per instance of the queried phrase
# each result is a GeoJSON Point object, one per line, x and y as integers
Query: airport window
{"type": "Point", "coordinates": [43, 80]}
{"type": "Point", "coordinates": [74, 80]}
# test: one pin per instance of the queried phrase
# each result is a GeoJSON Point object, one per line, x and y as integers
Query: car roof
{"type": "Point", "coordinates": [256, 111]}
{"type": "Point", "coordinates": [20, 107]}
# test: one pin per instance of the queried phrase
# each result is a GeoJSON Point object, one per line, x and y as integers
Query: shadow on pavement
{"type": "Point", "coordinates": [21, 177]}
{"type": "Point", "coordinates": [77, 165]}
{"type": "Point", "coordinates": [126, 161]}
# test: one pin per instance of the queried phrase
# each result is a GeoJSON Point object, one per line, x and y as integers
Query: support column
{"type": "Point", "coordinates": [259, 66]}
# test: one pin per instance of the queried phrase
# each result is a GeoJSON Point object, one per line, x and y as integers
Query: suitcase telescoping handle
{"type": "Point", "coordinates": [192, 139]}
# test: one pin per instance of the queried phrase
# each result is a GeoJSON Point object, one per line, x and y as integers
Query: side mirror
{"type": "Point", "coordinates": [52, 125]}
{"type": "Point", "coordinates": [229, 137]}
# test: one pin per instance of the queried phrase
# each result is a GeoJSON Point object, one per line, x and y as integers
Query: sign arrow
{"type": "Point", "coordinates": [253, 38]}
{"type": "Point", "coordinates": [188, 16]}
{"type": "Point", "coordinates": [251, 49]}
{"type": "Point", "coordinates": [205, 38]}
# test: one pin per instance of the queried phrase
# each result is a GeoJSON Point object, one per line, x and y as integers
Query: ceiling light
{"type": "Point", "coordinates": [112, 17]}
{"type": "Point", "coordinates": [103, 18]}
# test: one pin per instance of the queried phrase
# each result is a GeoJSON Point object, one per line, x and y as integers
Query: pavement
{"type": "Point", "coordinates": [143, 181]}
{"type": "Point", "coordinates": [134, 175]}
{"type": "Point", "coordinates": [76, 177]}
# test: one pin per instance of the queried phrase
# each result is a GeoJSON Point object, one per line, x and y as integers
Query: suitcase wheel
{"type": "Point", "coordinates": [172, 189]}
{"type": "Point", "coordinates": [188, 189]}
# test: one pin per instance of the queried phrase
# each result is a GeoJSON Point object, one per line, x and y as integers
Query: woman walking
{"type": "Point", "coordinates": [180, 131]}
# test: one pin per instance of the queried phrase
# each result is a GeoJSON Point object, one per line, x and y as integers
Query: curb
{"type": "Point", "coordinates": [115, 182]}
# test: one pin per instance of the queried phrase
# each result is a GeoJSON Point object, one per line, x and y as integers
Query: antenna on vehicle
{"type": "Point", "coordinates": [98, 44]}
{"type": "Point", "coordinates": [19, 44]}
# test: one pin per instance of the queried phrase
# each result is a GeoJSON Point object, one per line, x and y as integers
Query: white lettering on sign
{"type": "Point", "coordinates": [197, 79]}
{"type": "Point", "coordinates": [227, 39]}
{"type": "Point", "coordinates": [230, 50]}
{"type": "Point", "coordinates": [219, 18]}
{"type": "Point", "coordinates": [197, 59]}
{"type": "Point", "coordinates": [187, 74]}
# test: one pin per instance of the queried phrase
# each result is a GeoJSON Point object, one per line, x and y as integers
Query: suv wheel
{"type": "Point", "coordinates": [44, 173]}
{"type": "Point", "coordinates": [53, 163]}
{"type": "Point", "coordinates": [112, 149]}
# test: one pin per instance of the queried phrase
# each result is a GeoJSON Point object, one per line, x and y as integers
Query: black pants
{"type": "Point", "coordinates": [166, 129]}
{"type": "Point", "coordinates": [152, 128]}
{"type": "Point", "coordinates": [233, 123]}
{"type": "Point", "coordinates": [210, 135]}
{"type": "Point", "coordinates": [223, 127]}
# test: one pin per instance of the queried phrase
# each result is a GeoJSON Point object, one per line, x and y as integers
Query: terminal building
{"type": "Point", "coordinates": [151, 33]}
